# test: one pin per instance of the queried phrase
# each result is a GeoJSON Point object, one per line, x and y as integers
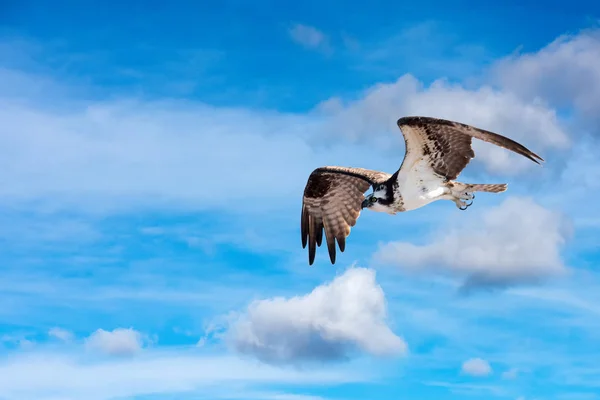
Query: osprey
{"type": "Point", "coordinates": [437, 150]}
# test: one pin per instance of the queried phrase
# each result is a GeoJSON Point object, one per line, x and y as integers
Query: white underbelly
{"type": "Point", "coordinates": [420, 196]}
{"type": "Point", "coordinates": [419, 190]}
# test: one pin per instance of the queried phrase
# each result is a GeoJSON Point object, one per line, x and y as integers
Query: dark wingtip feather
{"type": "Point", "coordinates": [311, 252]}
{"type": "Point", "coordinates": [529, 154]}
{"type": "Point", "coordinates": [304, 226]}
{"type": "Point", "coordinates": [312, 240]}
{"type": "Point", "coordinates": [538, 157]}
{"type": "Point", "coordinates": [319, 229]}
{"type": "Point", "coordinates": [522, 150]}
{"type": "Point", "coordinates": [330, 245]}
{"type": "Point", "coordinates": [332, 254]}
{"type": "Point", "coordinates": [341, 243]}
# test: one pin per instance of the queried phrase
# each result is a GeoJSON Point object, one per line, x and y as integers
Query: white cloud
{"type": "Point", "coordinates": [145, 153]}
{"type": "Point", "coordinates": [61, 334]}
{"type": "Point", "coordinates": [510, 374]}
{"type": "Point", "coordinates": [476, 367]}
{"type": "Point", "coordinates": [531, 123]}
{"type": "Point", "coordinates": [309, 37]}
{"type": "Point", "coordinates": [332, 322]}
{"type": "Point", "coordinates": [107, 156]}
{"type": "Point", "coordinates": [118, 342]}
{"type": "Point", "coordinates": [564, 73]}
{"type": "Point", "coordinates": [19, 341]}
{"type": "Point", "coordinates": [46, 376]}
{"type": "Point", "coordinates": [26, 344]}
{"type": "Point", "coordinates": [517, 241]}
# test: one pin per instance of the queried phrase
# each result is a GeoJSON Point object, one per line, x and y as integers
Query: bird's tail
{"type": "Point", "coordinates": [485, 187]}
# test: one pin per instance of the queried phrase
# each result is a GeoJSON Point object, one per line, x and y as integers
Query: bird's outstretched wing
{"type": "Point", "coordinates": [446, 145]}
{"type": "Point", "coordinates": [332, 201]}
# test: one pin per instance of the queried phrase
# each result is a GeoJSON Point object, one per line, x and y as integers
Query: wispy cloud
{"type": "Point", "coordinates": [61, 334]}
{"type": "Point", "coordinates": [310, 37]}
{"type": "Point", "coordinates": [470, 389]}
{"type": "Point", "coordinates": [510, 374]}
{"type": "Point", "coordinates": [476, 367]}
{"type": "Point", "coordinates": [53, 375]}
{"type": "Point", "coordinates": [424, 48]}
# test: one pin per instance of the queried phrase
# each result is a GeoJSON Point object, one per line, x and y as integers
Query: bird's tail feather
{"type": "Point", "coordinates": [485, 187]}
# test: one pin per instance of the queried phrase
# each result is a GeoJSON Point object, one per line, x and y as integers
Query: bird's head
{"type": "Point", "coordinates": [378, 201]}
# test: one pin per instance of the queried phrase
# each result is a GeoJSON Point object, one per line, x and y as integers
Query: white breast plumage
{"type": "Point", "coordinates": [421, 187]}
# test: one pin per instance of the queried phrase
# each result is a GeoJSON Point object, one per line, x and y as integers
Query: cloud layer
{"type": "Point", "coordinates": [531, 123]}
{"type": "Point", "coordinates": [517, 241]}
{"type": "Point", "coordinates": [333, 322]}
{"type": "Point", "coordinates": [47, 376]}
{"type": "Point", "coordinates": [564, 73]}
{"type": "Point", "coordinates": [126, 153]}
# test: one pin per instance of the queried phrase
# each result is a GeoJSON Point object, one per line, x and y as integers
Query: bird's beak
{"type": "Point", "coordinates": [364, 204]}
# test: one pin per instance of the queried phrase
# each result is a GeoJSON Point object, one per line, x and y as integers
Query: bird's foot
{"type": "Point", "coordinates": [462, 204]}
{"type": "Point", "coordinates": [463, 200]}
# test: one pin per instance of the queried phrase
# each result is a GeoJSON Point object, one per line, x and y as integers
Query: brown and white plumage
{"type": "Point", "coordinates": [437, 151]}
{"type": "Point", "coordinates": [447, 144]}
{"type": "Point", "coordinates": [332, 202]}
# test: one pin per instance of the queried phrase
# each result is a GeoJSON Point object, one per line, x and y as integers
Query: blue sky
{"type": "Point", "coordinates": [153, 160]}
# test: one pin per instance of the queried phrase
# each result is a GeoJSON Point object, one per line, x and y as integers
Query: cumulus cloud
{"type": "Point", "coordinates": [309, 37]}
{"type": "Point", "coordinates": [118, 342]}
{"type": "Point", "coordinates": [332, 322]}
{"type": "Point", "coordinates": [564, 73]}
{"type": "Point", "coordinates": [531, 123]}
{"type": "Point", "coordinates": [517, 241]}
{"type": "Point", "coordinates": [476, 367]}
{"type": "Point", "coordinates": [61, 334]}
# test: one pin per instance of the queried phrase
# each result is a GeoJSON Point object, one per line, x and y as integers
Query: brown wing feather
{"type": "Point", "coordinates": [332, 202]}
{"type": "Point", "coordinates": [447, 144]}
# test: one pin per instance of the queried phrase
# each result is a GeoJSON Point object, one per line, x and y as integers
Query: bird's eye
{"type": "Point", "coordinates": [373, 199]}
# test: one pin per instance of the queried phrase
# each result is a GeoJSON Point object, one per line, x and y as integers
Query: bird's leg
{"type": "Point", "coordinates": [466, 196]}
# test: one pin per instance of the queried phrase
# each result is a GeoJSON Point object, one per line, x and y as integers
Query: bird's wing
{"type": "Point", "coordinates": [332, 201]}
{"type": "Point", "coordinates": [446, 145]}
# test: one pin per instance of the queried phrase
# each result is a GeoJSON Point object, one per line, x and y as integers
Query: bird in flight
{"type": "Point", "coordinates": [437, 150]}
